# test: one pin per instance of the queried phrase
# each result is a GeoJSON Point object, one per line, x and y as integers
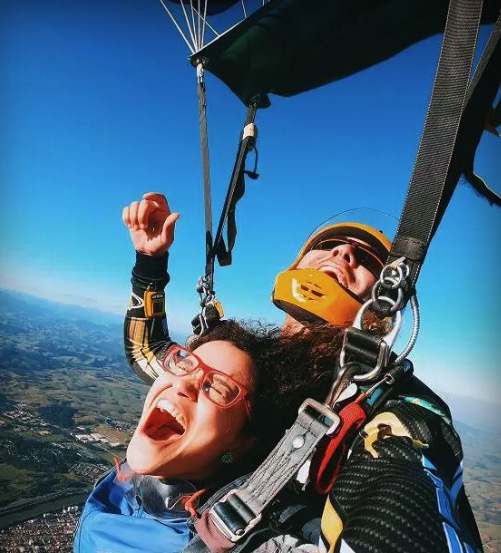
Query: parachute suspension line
{"type": "Point", "coordinates": [200, 21]}
{"type": "Point", "coordinates": [208, 25]}
{"type": "Point", "coordinates": [191, 27]}
{"type": "Point", "coordinates": [204, 25]}
{"type": "Point", "coordinates": [178, 27]}
{"type": "Point", "coordinates": [211, 310]}
{"type": "Point", "coordinates": [243, 7]}
{"type": "Point", "coordinates": [195, 25]}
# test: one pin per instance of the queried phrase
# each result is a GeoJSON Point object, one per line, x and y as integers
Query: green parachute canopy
{"type": "Point", "coordinates": [289, 46]}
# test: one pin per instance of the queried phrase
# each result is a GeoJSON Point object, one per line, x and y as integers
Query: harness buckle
{"type": "Point", "coordinates": [232, 517]}
{"type": "Point", "coordinates": [331, 419]}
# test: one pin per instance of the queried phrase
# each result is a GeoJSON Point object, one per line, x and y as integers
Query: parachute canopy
{"type": "Point", "coordinates": [210, 7]}
{"type": "Point", "coordinates": [289, 46]}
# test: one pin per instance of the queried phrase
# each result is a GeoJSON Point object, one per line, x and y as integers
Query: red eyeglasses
{"type": "Point", "coordinates": [218, 387]}
{"type": "Point", "coordinates": [364, 254]}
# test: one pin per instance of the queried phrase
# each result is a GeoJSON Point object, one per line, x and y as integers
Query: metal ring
{"type": "Point", "coordinates": [407, 270]}
{"type": "Point", "coordinates": [398, 301]}
{"type": "Point", "coordinates": [391, 268]}
{"type": "Point", "coordinates": [392, 277]}
{"type": "Point", "coordinates": [390, 282]}
{"type": "Point", "coordinates": [357, 322]}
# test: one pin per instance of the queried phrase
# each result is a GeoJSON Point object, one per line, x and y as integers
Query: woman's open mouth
{"type": "Point", "coordinates": [164, 421]}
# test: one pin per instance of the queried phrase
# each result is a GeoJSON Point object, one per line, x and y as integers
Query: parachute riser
{"type": "Point", "coordinates": [212, 311]}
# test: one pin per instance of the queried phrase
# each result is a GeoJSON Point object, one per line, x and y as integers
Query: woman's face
{"type": "Point", "coordinates": [181, 433]}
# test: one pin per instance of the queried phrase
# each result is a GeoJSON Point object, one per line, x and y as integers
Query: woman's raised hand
{"type": "Point", "coordinates": [151, 224]}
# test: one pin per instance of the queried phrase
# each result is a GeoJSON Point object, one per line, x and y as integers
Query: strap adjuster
{"type": "Point", "coordinates": [331, 419]}
{"type": "Point", "coordinates": [232, 517]}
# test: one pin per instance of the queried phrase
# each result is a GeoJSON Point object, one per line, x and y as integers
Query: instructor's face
{"type": "Point", "coordinates": [350, 263]}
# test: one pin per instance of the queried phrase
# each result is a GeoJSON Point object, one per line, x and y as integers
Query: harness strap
{"type": "Point", "coordinates": [240, 510]}
{"type": "Point", "coordinates": [328, 459]}
{"type": "Point", "coordinates": [318, 438]}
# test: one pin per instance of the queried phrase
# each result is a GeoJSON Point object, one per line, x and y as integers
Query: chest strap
{"type": "Point", "coordinates": [241, 509]}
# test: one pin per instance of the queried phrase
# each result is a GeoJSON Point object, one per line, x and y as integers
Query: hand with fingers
{"type": "Point", "coordinates": [151, 224]}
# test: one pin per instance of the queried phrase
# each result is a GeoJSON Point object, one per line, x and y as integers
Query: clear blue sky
{"type": "Point", "coordinates": [99, 105]}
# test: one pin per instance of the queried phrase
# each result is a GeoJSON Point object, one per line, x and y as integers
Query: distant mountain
{"type": "Point", "coordinates": [16, 308]}
{"type": "Point", "coordinates": [17, 303]}
{"type": "Point", "coordinates": [474, 413]}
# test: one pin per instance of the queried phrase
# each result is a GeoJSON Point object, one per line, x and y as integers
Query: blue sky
{"type": "Point", "coordinates": [99, 106]}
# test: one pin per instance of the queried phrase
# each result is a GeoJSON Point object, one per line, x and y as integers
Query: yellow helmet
{"type": "Point", "coordinates": [309, 295]}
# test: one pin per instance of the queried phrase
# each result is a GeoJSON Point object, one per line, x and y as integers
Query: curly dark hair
{"type": "Point", "coordinates": [289, 369]}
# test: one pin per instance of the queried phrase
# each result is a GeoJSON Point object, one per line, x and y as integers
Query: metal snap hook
{"type": "Point", "coordinates": [386, 343]}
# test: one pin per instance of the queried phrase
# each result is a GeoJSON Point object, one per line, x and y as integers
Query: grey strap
{"type": "Point", "coordinates": [241, 509]}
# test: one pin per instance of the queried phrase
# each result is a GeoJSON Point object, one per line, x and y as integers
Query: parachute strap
{"type": "Point", "coordinates": [236, 190]}
{"type": "Point", "coordinates": [449, 126]}
{"type": "Point", "coordinates": [452, 122]}
{"type": "Point", "coordinates": [204, 145]}
{"type": "Point", "coordinates": [211, 310]}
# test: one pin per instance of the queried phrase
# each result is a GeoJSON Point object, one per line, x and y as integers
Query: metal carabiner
{"type": "Point", "coordinates": [386, 343]}
{"type": "Point", "coordinates": [341, 382]}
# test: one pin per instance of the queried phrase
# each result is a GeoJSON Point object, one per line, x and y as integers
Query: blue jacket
{"type": "Point", "coordinates": [113, 521]}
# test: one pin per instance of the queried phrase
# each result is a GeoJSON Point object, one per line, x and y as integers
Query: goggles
{"type": "Point", "coordinates": [364, 254]}
{"type": "Point", "coordinates": [217, 387]}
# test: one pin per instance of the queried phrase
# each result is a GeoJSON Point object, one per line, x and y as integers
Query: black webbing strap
{"type": "Point", "coordinates": [481, 95]}
{"type": "Point", "coordinates": [431, 187]}
{"type": "Point", "coordinates": [235, 192]}
{"type": "Point", "coordinates": [211, 310]}
{"type": "Point", "coordinates": [204, 144]}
